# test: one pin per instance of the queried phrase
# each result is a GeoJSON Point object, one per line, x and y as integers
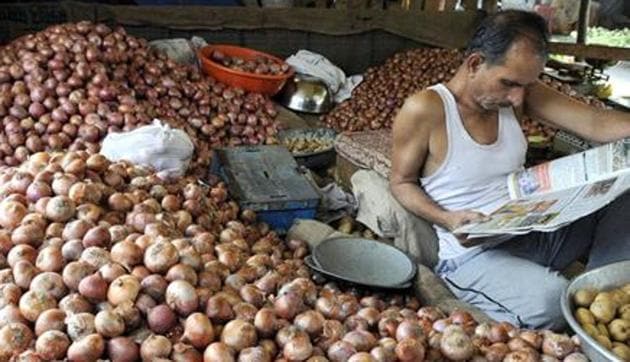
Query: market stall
{"type": "Point", "coordinates": [188, 242]}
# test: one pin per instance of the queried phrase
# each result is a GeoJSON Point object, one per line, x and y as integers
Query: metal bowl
{"type": "Point", "coordinates": [607, 277]}
{"type": "Point", "coordinates": [305, 93]}
{"type": "Point", "coordinates": [316, 159]}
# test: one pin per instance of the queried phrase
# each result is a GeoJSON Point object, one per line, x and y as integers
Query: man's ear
{"type": "Point", "coordinates": [473, 62]}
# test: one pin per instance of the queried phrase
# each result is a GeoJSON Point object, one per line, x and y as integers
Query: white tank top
{"type": "Point", "coordinates": [473, 175]}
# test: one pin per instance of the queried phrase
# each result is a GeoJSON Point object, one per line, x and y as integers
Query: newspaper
{"type": "Point", "coordinates": [556, 193]}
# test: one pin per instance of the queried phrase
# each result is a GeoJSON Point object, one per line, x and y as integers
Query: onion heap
{"type": "Point", "coordinates": [70, 85]}
{"type": "Point", "coordinates": [103, 260]}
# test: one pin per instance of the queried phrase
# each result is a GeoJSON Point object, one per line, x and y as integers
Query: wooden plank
{"type": "Point", "coordinates": [432, 5]}
{"type": "Point", "coordinates": [590, 51]}
{"type": "Point", "coordinates": [424, 27]}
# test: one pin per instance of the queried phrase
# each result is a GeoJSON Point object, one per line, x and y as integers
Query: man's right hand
{"type": "Point", "coordinates": [457, 219]}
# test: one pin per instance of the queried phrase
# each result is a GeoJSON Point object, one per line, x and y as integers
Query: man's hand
{"type": "Point", "coordinates": [456, 219]}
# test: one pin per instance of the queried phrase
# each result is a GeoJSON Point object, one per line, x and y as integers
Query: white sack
{"type": "Point", "coordinates": [166, 149]}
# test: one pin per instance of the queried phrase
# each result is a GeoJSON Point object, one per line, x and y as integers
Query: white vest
{"type": "Point", "coordinates": [473, 175]}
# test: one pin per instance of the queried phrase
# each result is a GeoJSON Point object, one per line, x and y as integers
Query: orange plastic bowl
{"type": "Point", "coordinates": [259, 83]}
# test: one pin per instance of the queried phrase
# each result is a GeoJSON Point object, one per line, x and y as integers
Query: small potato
{"type": "Point", "coordinates": [584, 316]}
{"type": "Point", "coordinates": [624, 312]}
{"type": "Point", "coordinates": [626, 288]}
{"type": "Point", "coordinates": [619, 330]}
{"type": "Point", "coordinates": [584, 297]}
{"type": "Point", "coordinates": [603, 309]}
{"type": "Point", "coordinates": [622, 351]}
{"type": "Point", "coordinates": [603, 330]}
{"type": "Point", "coordinates": [591, 329]}
{"type": "Point", "coordinates": [604, 341]}
{"type": "Point", "coordinates": [620, 297]}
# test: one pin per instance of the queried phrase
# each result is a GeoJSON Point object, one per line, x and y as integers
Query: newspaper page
{"type": "Point", "coordinates": [559, 192]}
{"type": "Point", "coordinates": [570, 171]}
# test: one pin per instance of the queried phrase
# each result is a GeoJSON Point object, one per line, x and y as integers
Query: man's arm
{"type": "Point", "coordinates": [563, 112]}
{"type": "Point", "coordinates": [410, 147]}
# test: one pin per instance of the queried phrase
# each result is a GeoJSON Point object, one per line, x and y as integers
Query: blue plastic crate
{"type": "Point", "coordinates": [267, 180]}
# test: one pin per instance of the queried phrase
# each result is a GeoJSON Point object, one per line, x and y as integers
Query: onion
{"type": "Point", "coordinates": [161, 319]}
{"type": "Point", "coordinates": [298, 348]}
{"type": "Point", "coordinates": [50, 259]}
{"type": "Point", "coordinates": [109, 324]}
{"type": "Point", "coordinates": [11, 214]}
{"type": "Point", "coordinates": [160, 256]}
{"type": "Point", "coordinates": [80, 325]}
{"type": "Point", "coordinates": [239, 335]}
{"type": "Point", "coordinates": [154, 347]}
{"type": "Point", "coordinates": [218, 352]}
{"type": "Point", "coordinates": [182, 297]}
{"type": "Point", "coordinates": [88, 348]}
{"type": "Point", "coordinates": [122, 349]}
{"type": "Point", "coordinates": [341, 351]}
{"type": "Point", "coordinates": [60, 209]}
{"type": "Point", "coordinates": [198, 331]}
{"type": "Point", "coordinates": [74, 303]}
{"type": "Point", "coordinates": [49, 283]}
{"type": "Point", "coordinates": [410, 349]}
{"type": "Point", "coordinates": [52, 345]}
{"type": "Point", "coordinates": [455, 344]}
{"type": "Point", "coordinates": [288, 305]}
{"type": "Point", "coordinates": [51, 319]}
{"type": "Point", "coordinates": [557, 345]}
{"type": "Point", "coordinates": [9, 294]}
{"type": "Point", "coordinates": [124, 288]}
{"type": "Point", "coordinates": [33, 303]}
{"type": "Point", "coordinates": [14, 338]}
{"type": "Point", "coordinates": [93, 287]}
{"type": "Point", "coordinates": [265, 322]}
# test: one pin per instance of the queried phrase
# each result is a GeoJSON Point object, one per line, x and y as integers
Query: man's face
{"type": "Point", "coordinates": [503, 84]}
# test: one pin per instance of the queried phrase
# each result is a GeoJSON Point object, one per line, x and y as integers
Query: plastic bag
{"type": "Point", "coordinates": [307, 62]}
{"type": "Point", "coordinates": [166, 149]}
{"type": "Point", "coordinates": [181, 50]}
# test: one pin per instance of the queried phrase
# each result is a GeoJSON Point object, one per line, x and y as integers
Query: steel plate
{"type": "Point", "coordinates": [365, 261]}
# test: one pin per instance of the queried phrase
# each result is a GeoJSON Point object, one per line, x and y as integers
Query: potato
{"type": "Point", "coordinates": [626, 288]}
{"type": "Point", "coordinates": [591, 329]}
{"type": "Point", "coordinates": [603, 309]}
{"type": "Point", "coordinates": [619, 297]}
{"type": "Point", "coordinates": [604, 341]}
{"type": "Point", "coordinates": [619, 330]}
{"type": "Point", "coordinates": [346, 225]}
{"type": "Point", "coordinates": [622, 351]}
{"type": "Point", "coordinates": [584, 297]}
{"type": "Point", "coordinates": [624, 312]}
{"type": "Point", "coordinates": [584, 316]}
{"type": "Point", "coordinates": [603, 330]}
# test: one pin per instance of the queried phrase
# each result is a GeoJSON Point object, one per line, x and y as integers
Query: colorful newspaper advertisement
{"type": "Point", "coordinates": [554, 194]}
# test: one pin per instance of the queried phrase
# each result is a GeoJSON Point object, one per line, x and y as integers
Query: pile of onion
{"type": "Point", "coordinates": [105, 260]}
{"type": "Point", "coordinates": [69, 85]}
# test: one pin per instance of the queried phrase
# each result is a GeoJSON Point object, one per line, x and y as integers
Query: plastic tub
{"type": "Point", "coordinates": [259, 83]}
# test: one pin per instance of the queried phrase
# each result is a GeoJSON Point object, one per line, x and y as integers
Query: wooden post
{"type": "Point", "coordinates": [470, 5]}
{"type": "Point", "coordinates": [583, 21]}
{"type": "Point", "coordinates": [490, 5]}
{"type": "Point", "coordinates": [432, 5]}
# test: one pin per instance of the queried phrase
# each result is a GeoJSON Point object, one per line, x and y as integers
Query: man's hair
{"type": "Point", "coordinates": [497, 32]}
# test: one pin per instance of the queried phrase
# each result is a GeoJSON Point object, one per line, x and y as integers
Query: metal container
{"type": "Point", "coordinates": [365, 262]}
{"type": "Point", "coordinates": [313, 160]}
{"type": "Point", "coordinates": [305, 93]}
{"type": "Point", "coordinates": [606, 277]}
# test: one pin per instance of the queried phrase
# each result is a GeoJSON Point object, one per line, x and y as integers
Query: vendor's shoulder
{"type": "Point", "coordinates": [425, 105]}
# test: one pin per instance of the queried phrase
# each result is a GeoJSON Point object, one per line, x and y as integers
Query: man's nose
{"type": "Point", "coordinates": [516, 96]}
